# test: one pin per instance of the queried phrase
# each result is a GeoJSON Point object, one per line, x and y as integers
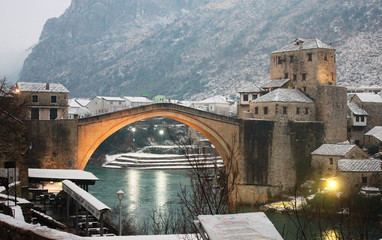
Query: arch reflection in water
{"type": "Point", "coordinates": [133, 188]}
{"type": "Point", "coordinates": [161, 188]}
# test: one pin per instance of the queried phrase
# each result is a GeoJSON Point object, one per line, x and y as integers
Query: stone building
{"type": "Point", "coordinates": [45, 101]}
{"type": "Point", "coordinates": [355, 173]}
{"type": "Point", "coordinates": [307, 62]}
{"type": "Point", "coordinates": [137, 101]}
{"type": "Point", "coordinates": [365, 112]}
{"type": "Point", "coordinates": [374, 137]}
{"type": "Point", "coordinates": [248, 94]}
{"type": "Point", "coordinates": [216, 104]}
{"type": "Point", "coordinates": [101, 104]}
{"type": "Point", "coordinates": [325, 158]}
{"type": "Point", "coordinates": [77, 106]}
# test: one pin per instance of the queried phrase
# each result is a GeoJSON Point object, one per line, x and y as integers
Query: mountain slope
{"type": "Point", "coordinates": [191, 49]}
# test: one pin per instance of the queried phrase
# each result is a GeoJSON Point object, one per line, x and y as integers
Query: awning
{"type": "Point", "coordinates": [85, 199]}
{"type": "Point", "coordinates": [55, 175]}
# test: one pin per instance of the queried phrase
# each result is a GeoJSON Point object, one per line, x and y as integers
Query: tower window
{"type": "Point", "coordinates": [254, 96]}
{"type": "Point", "coordinates": [256, 110]}
{"type": "Point", "coordinates": [362, 118]}
{"type": "Point", "coordinates": [291, 59]}
{"type": "Point", "coordinates": [265, 110]}
{"type": "Point", "coordinates": [279, 61]}
{"type": "Point", "coordinates": [331, 161]}
{"type": "Point", "coordinates": [309, 57]}
{"type": "Point", "coordinates": [294, 77]}
{"type": "Point", "coordinates": [286, 75]}
{"type": "Point", "coordinates": [306, 110]}
{"type": "Point", "coordinates": [297, 110]}
{"type": "Point", "coordinates": [245, 97]}
{"type": "Point", "coordinates": [35, 98]}
{"type": "Point", "coordinates": [357, 118]}
{"type": "Point", "coordinates": [326, 57]}
{"type": "Point", "coordinates": [303, 77]}
{"type": "Point", "coordinates": [285, 110]}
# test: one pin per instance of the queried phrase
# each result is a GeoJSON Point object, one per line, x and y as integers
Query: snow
{"type": "Point", "coordinates": [138, 99]}
{"type": "Point", "coordinates": [244, 226]}
{"type": "Point", "coordinates": [19, 200]}
{"type": "Point", "coordinates": [369, 97]}
{"type": "Point", "coordinates": [284, 95]}
{"type": "Point", "coordinates": [18, 213]}
{"type": "Point", "coordinates": [307, 44]}
{"type": "Point", "coordinates": [375, 132]}
{"type": "Point", "coordinates": [93, 201]}
{"type": "Point", "coordinates": [41, 87]}
{"type": "Point", "coordinates": [61, 174]}
{"type": "Point", "coordinates": [360, 165]}
{"type": "Point", "coordinates": [339, 149]}
{"type": "Point", "coordinates": [357, 110]}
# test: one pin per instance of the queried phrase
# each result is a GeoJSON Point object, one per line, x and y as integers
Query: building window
{"type": "Point", "coordinates": [297, 110]}
{"type": "Point", "coordinates": [309, 57]}
{"type": "Point", "coordinates": [364, 180]}
{"type": "Point", "coordinates": [331, 161]}
{"type": "Point", "coordinates": [279, 61]}
{"type": "Point", "coordinates": [285, 75]}
{"type": "Point", "coordinates": [306, 110]}
{"type": "Point", "coordinates": [291, 59]}
{"type": "Point", "coordinates": [285, 110]}
{"type": "Point", "coordinates": [35, 113]}
{"type": "Point", "coordinates": [53, 113]}
{"type": "Point", "coordinates": [326, 57]}
{"type": "Point", "coordinates": [254, 96]}
{"type": "Point", "coordinates": [362, 118]}
{"type": "Point", "coordinates": [265, 110]}
{"type": "Point", "coordinates": [294, 77]}
{"type": "Point", "coordinates": [34, 98]}
{"type": "Point", "coordinates": [303, 77]}
{"type": "Point", "coordinates": [256, 110]}
{"type": "Point", "coordinates": [357, 118]}
{"type": "Point", "coordinates": [53, 99]}
{"type": "Point", "coordinates": [245, 97]}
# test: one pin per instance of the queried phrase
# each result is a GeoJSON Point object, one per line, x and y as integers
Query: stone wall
{"type": "Point", "coordinates": [331, 105]}
{"type": "Point", "coordinates": [53, 144]}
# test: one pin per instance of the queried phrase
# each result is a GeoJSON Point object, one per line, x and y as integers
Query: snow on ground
{"type": "Point", "coordinates": [18, 213]}
{"type": "Point", "coordinates": [12, 198]}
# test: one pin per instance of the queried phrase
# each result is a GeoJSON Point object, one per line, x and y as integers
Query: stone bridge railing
{"type": "Point", "coordinates": [158, 106]}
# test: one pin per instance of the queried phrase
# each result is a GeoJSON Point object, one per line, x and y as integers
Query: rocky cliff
{"type": "Point", "coordinates": [195, 48]}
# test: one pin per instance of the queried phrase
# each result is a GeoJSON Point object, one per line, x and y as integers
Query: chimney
{"type": "Point", "coordinates": [47, 86]}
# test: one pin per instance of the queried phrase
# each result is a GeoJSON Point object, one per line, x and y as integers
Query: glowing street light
{"type": "Point", "coordinates": [120, 196]}
{"type": "Point", "coordinates": [332, 184]}
{"type": "Point", "coordinates": [133, 130]}
{"type": "Point", "coordinates": [161, 132]}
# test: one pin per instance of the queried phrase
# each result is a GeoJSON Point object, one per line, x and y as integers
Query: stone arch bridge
{"type": "Point", "coordinates": [222, 131]}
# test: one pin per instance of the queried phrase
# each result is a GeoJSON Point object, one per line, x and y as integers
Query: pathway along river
{"type": "Point", "coordinates": [146, 190]}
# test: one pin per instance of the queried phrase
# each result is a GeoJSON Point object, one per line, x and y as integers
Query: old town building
{"type": "Point", "coordinates": [45, 101]}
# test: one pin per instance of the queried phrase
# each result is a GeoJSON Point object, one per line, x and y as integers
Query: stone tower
{"type": "Point", "coordinates": [308, 63]}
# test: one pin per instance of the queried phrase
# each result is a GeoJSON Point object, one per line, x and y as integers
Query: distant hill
{"type": "Point", "coordinates": [196, 48]}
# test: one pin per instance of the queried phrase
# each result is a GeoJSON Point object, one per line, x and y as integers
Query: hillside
{"type": "Point", "coordinates": [195, 48]}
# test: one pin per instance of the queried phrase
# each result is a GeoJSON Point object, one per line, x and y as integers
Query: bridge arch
{"type": "Point", "coordinates": [92, 131]}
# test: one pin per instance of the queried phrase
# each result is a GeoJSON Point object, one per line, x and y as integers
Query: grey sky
{"type": "Point", "coordinates": [21, 23]}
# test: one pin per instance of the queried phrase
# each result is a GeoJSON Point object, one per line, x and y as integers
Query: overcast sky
{"type": "Point", "coordinates": [21, 23]}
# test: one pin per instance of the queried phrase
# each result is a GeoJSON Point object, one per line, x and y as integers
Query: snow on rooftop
{"type": "Point", "coordinates": [215, 99]}
{"type": "Point", "coordinates": [251, 88]}
{"type": "Point", "coordinates": [83, 101]}
{"type": "Point", "coordinates": [337, 149]}
{"type": "Point", "coordinates": [111, 98]}
{"type": "Point", "coordinates": [369, 97]}
{"type": "Point", "coordinates": [357, 110]}
{"type": "Point", "coordinates": [239, 226]}
{"type": "Point", "coordinates": [306, 44]}
{"type": "Point", "coordinates": [61, 174]}
{"type": "Point", "coordinates": [284, 95]}
{"type": "Point", "coordinates": [360, 165]}
{"type": "Point", "coordinates": [138, 99]}
{"type": "Point", "coordinates": [41, 87]}
{"type": "Point", "coordinates": [275, 83]}
{"type": "Point", "coordinates": [375, 132]}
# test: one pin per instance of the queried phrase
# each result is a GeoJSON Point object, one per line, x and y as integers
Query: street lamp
{"type": "Point", "coordinates": [120, 196]}
{"type": "Point", "coordinates": [133, 130]}
{"type": "Point", "coordinates": [161, 132]}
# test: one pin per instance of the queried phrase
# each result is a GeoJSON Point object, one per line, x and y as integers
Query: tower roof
{"type": "Point", "coordinates": [284, 95]}
{"type": "Point", "coordinates": [306, 44]}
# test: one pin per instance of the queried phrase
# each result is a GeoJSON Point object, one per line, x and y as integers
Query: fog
{"type": "Point", "coordinates": [21, 25]}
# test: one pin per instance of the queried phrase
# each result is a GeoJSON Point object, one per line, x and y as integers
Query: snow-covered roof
{"type": "Point", "coordinates": [275, 83]}
{"type": "Point", "coordinates": [138, 99]}
{"type": "Point", "coordinates": [83, 101]}
{"type": "Point", "coordinates": [369, 97]}
{"type": "Point", "coordinates": [356, 110]}
{"type": "Point", "coordinates": [72, 189]}
{"type": "Point", "coordinates": [337, 149]}
{"type": "Point", "coordinates": [41, 87]}
{"type": "Point", "coordinates": [215, 99]}
{"type": "Point", "coordinates": [111, 98]}
{"type": "Point", "coordinates": [61, 174]}
{"type": "Point", "coordinates": [306, 44]}
{"type": "Point", "coordinates": [359, 165]}
{"type": "Point", "coordinates": [284, 95]}
{"type": "Point", "coordinates": [251, 88]}
{"type": "Point", "coordinates": [375, 132]}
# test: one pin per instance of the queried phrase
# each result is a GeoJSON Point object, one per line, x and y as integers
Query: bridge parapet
{"type": "Point", "coordinates": [158, 106]}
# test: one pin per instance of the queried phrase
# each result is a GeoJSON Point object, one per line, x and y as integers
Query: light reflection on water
{"type": "Point", "coordinates": [145, 190]}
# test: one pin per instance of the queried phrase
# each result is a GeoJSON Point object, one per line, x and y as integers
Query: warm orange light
{"type": "Point", "coordinates": [17, 90]}
{"type": "Point", "coordinates": [332, 184]}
